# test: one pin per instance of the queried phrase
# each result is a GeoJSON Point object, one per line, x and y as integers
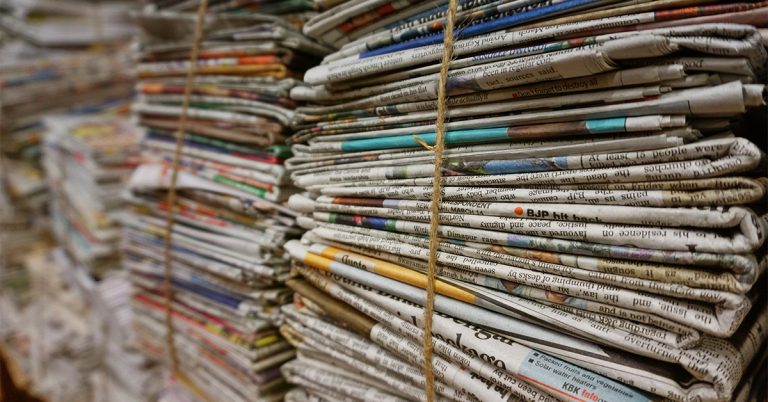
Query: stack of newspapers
{"type": "Point", "coordinates": [121, 372]}
{"type": "Point", "coordinates": [294, 11]}
{"type": "Point", "coordinates": [126, 374]}
{"type": "Point", "coordinates": [32, 86]}
{"type": "Point", "coordinates": [34, 83]}
{"type": "Point", "coordinates": [61, 331]}
{"type": "Point", "coordinates": [227, 259]}
{"type": "Point", "coordinates": [51, 23]}
{"type": "Point", "coordinates": [602, 230]}
{"type": "Point", "coordinates": [88, 159]}
{"type": "Point", "coordinates": [72, 339]}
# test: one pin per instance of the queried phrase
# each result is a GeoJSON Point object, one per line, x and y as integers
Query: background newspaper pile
{"type": "Point", "coordinates": [52, 23]}
{"type": "Point", "coordinates": [61, 57]}
{"type": "Point", "coordinates": [46, 66]}
{"type": "Point", "coordinates": [296, 12]}
{"type": "Point", "coordinates": [29, 89]}
{"type": "Point", "coordinates": [74, 337]}
{"type": "Point", "coordinates": [88, 159]}
{"type": "Point", "coordinates": [602, 229]}
{"type": "Point", "coordinates": [228, 264]}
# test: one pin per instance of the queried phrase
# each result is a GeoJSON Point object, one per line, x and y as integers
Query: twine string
{"type": "Point", "coordinates": [437, 197]}
{"type": "Point", "coordinates": [171, 197]}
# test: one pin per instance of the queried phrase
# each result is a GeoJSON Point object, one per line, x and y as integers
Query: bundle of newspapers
{"type": "Point", "coordinates": [39, 85]}
{"type": "Point", "coordinates": [88, 159]}
{"type": "Point", "coordinates": [73, 337]}
{"type": "Point", "coordinates": [227, 262]}
{"type": "Point", "coordinates": [602, 227]}
{"type": "Point", "coordinates": [51, 23]}
{"type": "Point", "coordinates": [121, 372]}
{"type": "Point", "coordinates": [34, 83]}
{"type": "Point", "coordinates": [294, 11]}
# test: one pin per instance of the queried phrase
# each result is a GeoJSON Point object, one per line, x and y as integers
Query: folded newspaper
{"type": "Point", "coordinates": [228, 265]}
{"type": "Point", "coordinates": [602, 231]}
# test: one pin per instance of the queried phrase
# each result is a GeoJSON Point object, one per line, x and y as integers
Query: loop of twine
{"type": "Point", "coordinates": [437, 196]}
{"type": "Point", "coordinates": [423, 143]}
{"type": "Point", "coordinates": [171, 197]}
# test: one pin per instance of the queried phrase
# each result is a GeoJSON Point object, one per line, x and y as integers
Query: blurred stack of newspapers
{"type": "Point", "coordinates": [37, 79]}
{"type": "Point", "coordinates": [73, 339]}
{"type": "Point", "coordinates": [127, 374]}
{"type": "Point", "coordinates": [227, 259]}
{"type": "Point", "coordinates": [31, 88]}
{"type": "Point", "coordinates": [602, 231]}
{"type": "Point", "coordinates": [296, 12]}
{"type": "Point", "coordinates": [53, 23]}
{"type": "Point", "coordinates": [88, 159]}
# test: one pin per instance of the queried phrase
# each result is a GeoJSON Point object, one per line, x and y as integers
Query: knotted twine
{"type": "Point", "coordinates": [437, 197]}
{"type": "Point", "coordinates": [171, 199]}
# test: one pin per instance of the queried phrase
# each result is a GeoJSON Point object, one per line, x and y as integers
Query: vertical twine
{"type": "Point", "coordinates": [437, 197]}
{"type": "Point", "coordinates": [171, 198]}
{"type": "Point", "coordinates": [99, 27]}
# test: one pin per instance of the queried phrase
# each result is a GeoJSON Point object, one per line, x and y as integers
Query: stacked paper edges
{"type": "Point", "coordinates": [601, 235]}
{"type": "Point", "coordinates": [228, 265]}
{"type": "Point", "coordinates": [88, 160]}
{"type": "Point", "coordinates": [30, 88]}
